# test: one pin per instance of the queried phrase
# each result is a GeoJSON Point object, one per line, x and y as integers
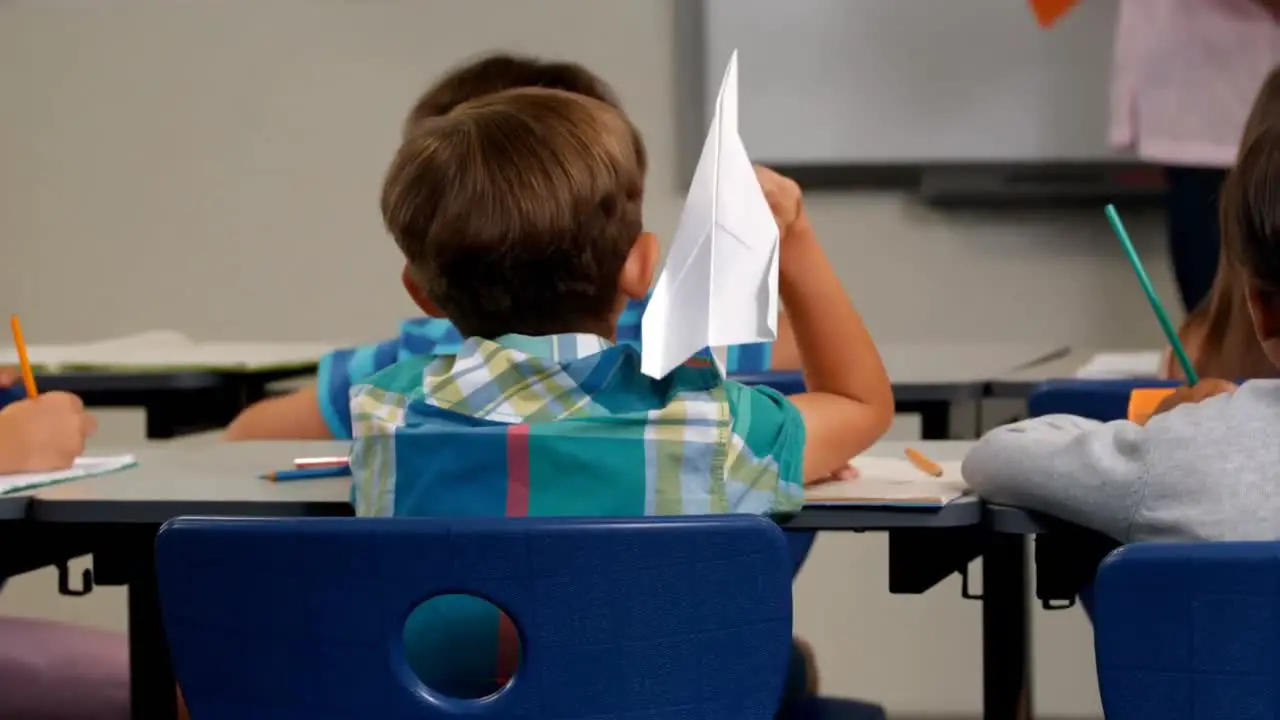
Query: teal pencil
{"type": "Point", "coordinates": [1172, 335]}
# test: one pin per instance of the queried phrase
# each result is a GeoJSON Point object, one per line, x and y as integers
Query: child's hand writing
{"type": "Point", "coordinates": [1203, 390]}
{"type": "Point", "coordinates": [44, 433]}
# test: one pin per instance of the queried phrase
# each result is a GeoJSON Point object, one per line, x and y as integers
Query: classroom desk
{"type": "Point", "coordinates": [1021, 382]}
{"type": "Point", "coordinates": [929, 378]}
{"type": "Point", "coordinates": [117, 517]}
{"type": "Point", "coordinates": [177, 403]}
{"type": "Point", "coordinates": [1066, 555]}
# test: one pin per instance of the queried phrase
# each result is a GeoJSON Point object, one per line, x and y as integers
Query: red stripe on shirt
{"type": "Point", "coordinates": [508, 649]}
{"type": "Point", "coordinates": [518, 471]}
{"type": "Point", "coordinates": [517, 506]}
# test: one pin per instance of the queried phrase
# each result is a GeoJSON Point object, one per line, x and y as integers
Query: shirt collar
{"type": "Point", "coordinates": [563, 348]}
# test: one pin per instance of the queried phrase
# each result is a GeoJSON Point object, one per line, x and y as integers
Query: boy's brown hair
{"type": "Point", "coordinates": [501, 71]}
{"type": "Point", "coordinates": [1219, 331]}
{"type": "Point", "coordinates": [517, 211]}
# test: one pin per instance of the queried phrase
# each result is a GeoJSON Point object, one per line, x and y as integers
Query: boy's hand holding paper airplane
{"type": "Point", "coordinates": [743, 236]}
{"type": "Point", "coordinates": [786, 201]}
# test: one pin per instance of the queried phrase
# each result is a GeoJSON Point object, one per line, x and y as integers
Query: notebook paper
{"type": "Point", "coordinates": [1120, 365]}
{"type": "Point", "coordinates": [890, 481]}
{"type": "Point", "coordinates": [83, 467]}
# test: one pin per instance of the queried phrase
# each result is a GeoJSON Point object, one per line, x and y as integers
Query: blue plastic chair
{"type": "Point", "coordinates": [685, 617]}
{"type": "Point", "coordinates": [1103, 400]}
{"type": "Point", "coordinates": [1189, 631]}
{"type": "Point", "coordinates": [11, 394]}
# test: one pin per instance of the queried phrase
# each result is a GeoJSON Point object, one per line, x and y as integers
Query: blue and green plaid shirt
{"type": "Point", "coordinates": [342, 369]}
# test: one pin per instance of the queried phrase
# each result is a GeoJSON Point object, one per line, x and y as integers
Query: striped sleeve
{"type": "Point", "coordinates": [341, 369]}
{"type": "Point", "coordinates": [764, 470]}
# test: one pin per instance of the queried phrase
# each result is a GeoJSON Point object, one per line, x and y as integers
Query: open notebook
{"type": "Point", "coordinates": [83, 467]}
{"type": "Point", "coordinates": [890, 482]}
{"type": "Point", "coordinates": [1122, 365]}
{"type": "Point", "coordinates": [167, 350]}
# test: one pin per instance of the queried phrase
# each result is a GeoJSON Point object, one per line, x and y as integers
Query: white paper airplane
{"type": "Point", "coordinates": [720, 284]}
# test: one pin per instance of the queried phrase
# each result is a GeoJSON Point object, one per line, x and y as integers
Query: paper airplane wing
{"type": "Point", "coordinates": [719, 286]}
{"type": "Point", "coordinates": [744, 304]}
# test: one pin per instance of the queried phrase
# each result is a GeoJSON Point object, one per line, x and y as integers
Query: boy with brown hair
{"type": "Point", "coordinates": [520, 218]}
{"type": "Point", "coordinates": [321, 411]}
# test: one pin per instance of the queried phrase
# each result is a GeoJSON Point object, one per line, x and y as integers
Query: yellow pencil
{"type": "Point", "coordinates": [24, 363]}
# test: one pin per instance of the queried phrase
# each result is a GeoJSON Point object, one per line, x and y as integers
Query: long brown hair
{"type": "Point", "coordinates": [1219, 330]}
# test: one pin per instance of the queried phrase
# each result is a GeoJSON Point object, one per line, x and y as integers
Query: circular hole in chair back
{"type": "Point", "coordinates": [462, 646]}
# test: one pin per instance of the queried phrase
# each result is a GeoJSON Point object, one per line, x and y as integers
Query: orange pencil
{"type": "Point", "coordinates": [24, 363]}
{"type": "Point", "coordinates": [924, 464]}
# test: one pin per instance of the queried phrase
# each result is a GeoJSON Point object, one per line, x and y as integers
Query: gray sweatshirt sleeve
{"type": "Point", "coordinates": [1089, 473]}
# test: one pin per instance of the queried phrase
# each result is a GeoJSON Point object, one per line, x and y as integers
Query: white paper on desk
{"type": "Point", "coordinates": [890, 481]}
{"type": "Point", "coordinates": [720, 284]}
{"type": "Point", "coordinates": [1119, 365]}
{"type": "Point", "coordinates": [83, 467]}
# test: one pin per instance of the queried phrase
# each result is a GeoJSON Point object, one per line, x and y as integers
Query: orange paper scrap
{"type": "Point", "coordinates": [1049, 12]}
{"type": "Point", "coordinates": [1143, 402]}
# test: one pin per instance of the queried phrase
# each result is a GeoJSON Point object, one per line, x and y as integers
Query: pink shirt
{"type": "Point", "coordinates": [1185, 75]}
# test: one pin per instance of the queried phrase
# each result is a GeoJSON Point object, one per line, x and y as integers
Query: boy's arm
{"type": "Point", "coordinates": [295, 416]}
{"type": "Point", "coordinates": [784, 354]}
{"type": "Point", "coordinates": [321, 411]}
{"type": "Point", "coordinates": [849, 403]}
{"type": "Point", "coordinates": [1079, 470]}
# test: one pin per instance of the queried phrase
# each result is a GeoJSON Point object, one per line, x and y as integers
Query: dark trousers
{"type": "Point", "coordinates": [1191, 212]}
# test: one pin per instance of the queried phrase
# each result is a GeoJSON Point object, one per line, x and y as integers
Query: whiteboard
{"type": "Point", "coordinates": [913, 82]}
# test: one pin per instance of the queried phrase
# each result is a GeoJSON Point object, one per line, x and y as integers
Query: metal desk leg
{"type": "Point", "coordinates": [152, 689]}
{"type": "Point", "coordinates": [935, 421]}
{"type": "Point", "coordinates": [1006, 630]}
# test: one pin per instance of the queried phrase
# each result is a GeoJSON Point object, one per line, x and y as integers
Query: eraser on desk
{"type": "Point", "coordinates": [1143, 402]}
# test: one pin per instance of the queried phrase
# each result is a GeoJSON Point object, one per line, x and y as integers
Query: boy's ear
{"type": "Point", "coordinates": [419, 296]}
{"type": "Point", "coordinates": [642, 264]}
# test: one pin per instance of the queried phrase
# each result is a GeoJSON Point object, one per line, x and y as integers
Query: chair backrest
{"type": "Point", "coordinates": [686, 617]}
{"type": "Point", "coordinates": [1189, 631]}
{"type": "Point", "coordinates": [1103, 400]}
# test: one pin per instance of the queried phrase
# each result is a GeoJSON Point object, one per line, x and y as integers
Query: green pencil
{"type": "Point", "coordinates": [1180, 352]}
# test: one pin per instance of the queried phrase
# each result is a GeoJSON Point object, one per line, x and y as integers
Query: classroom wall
{"type": "Point", "coordinates": [215, 168]}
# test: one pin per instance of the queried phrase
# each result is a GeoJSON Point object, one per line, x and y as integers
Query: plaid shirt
{"type": "Point", "coordinates": [563, 425]}
{"type": "Point", "coordinates": [342, 369]}
{"type": "Point", "coordinates": [567, 425]}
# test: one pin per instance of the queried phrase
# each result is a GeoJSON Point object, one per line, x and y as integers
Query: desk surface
{"type": "Point", "coordinates": [1021, 382]}
{"type": "Point", "coordinates": [927, 371]}
{"type": "Point", "coordinates": [90, 382]}
{"type": "Point", "coordinates": [223, 479]}
{"type": "Point", "coordinates": [14, 505]}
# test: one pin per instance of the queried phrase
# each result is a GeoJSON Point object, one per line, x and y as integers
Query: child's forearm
{"type": "Point", "coordinates": [837, 353]}
{"type": "Point", "coordinates": [784, 355]}
{"type": "Point", "coordinates": [838, 356]}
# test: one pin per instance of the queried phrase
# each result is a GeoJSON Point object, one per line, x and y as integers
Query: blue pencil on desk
{"type": "Point", "coordinates": [1180, 352]}
{"type": "Point", "coordinates": [314, 473]}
